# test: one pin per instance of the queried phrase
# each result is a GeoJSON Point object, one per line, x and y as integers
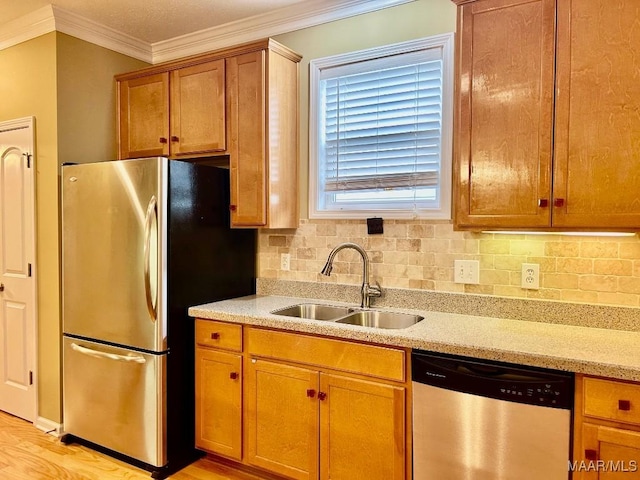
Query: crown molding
{"type": "Point", "coordinates": [276, 22]}
{"type": "Point", "coordinates": [51, 18]}
{"type": "Point", "coordinates": [98, 34]}
{"type": "Point", "coordinates": [315, 12]}
{"type": "Point", "coordinates": [32, 25]}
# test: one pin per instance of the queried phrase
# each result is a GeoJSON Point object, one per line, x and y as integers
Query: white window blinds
{"type": "Point", "coordinates": [383, 127]}
{"type": "Point", "coordinates": [383, 132]}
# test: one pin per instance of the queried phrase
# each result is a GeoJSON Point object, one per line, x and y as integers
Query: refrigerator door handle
{"type": "Point", "coordinates": [152, 214]}
{"type": "Point", "coordinates": [110, 356]}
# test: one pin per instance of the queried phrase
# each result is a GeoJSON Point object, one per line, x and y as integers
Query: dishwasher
{"type": "Point", "coordinates": [487, 420]}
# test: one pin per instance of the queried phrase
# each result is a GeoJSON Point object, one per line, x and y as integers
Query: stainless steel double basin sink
{"type": "Point", "coordinates": [350, 315]}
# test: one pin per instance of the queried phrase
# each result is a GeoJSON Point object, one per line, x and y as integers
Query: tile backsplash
{"type": "Point", "coordinates": [420, 255]}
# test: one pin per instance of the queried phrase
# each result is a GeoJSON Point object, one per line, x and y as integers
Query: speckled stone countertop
{"type": "Point", "coordinates": [583, 349]}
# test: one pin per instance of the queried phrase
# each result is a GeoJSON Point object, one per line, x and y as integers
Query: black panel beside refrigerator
{"type": "Point", "coordinates": [220, 265]}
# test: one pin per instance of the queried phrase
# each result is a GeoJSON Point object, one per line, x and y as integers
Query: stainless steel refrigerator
{"type": "Point", "coordinates": [142, 240]}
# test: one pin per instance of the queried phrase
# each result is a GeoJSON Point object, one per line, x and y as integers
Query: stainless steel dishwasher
{"type": "Point", "coordinates": [483, 420]}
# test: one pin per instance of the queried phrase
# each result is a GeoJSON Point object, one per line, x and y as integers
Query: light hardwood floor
{"type": "Point", "coordinates": [27, 453]}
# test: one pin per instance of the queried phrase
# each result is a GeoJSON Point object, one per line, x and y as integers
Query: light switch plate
{"type": "Point", "coordinates": [466, 271]}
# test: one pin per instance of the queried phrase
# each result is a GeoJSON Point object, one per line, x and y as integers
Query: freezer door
{"type": "Point", "coordinates": [115, 398]}
{"type": "Point", "coordinates": [114, 251]}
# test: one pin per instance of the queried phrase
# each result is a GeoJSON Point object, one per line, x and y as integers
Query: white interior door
{"type": "Point", "coordinates": [17, 269]}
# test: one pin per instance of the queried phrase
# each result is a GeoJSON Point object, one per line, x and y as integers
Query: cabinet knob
{"type": "Point", "coordinates": [322, 395]}
{"type": "Point", "coordinates": [215, 336]}
{"type": "Point", "coordinates": [311, 393]}
{"type": "Point", "coordinates": [558, 202]}
{"type": "Point", "coordinates": [543, 202]}
{"type": "Point", "coordinates": [590, 454]}
{"type": "Point", "coordinates": [624, 405]}
{"type": "Point", "coordinates": [163, 140]}
{"type": "Point", "coordinates": [1, 287]}
{"type": "Point", "coordinates": [174, 138]}
{"type": "Point", "coordinates": [233, 208]}
{"type": "Point", "coordinates": [234, 375]}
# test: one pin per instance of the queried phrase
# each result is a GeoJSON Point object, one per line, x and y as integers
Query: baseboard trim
{"type": "Point", "coordinates": [49, 426]}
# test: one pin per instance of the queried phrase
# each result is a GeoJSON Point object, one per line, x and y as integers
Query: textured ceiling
{"type": "Point", "coordinates": [151, 20]}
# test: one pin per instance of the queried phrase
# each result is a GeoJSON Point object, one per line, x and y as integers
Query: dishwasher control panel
{"type": "Point", "coordinates": [499, 380]}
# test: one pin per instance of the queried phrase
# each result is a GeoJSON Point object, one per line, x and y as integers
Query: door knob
{"type": "Point", "coordinates": [1, 287]}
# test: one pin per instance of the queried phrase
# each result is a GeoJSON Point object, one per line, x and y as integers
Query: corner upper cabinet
{"type": "Point", "coordinates": [262, 126]}
{"type": "Point", "coordinates": [542, 148]}
{"type": "Point", "coordinates": [175, 113]}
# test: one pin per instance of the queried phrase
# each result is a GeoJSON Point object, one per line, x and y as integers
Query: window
{"type": "Point", "coordinates": [380, 132]}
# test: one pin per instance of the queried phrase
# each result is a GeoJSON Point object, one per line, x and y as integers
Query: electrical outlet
{"type": "Point", "coordinates": [285, 261]}
{"type": "Point", "coordinates": [531, 276]}
{"type": "Point", "coordinates": [466, 271]}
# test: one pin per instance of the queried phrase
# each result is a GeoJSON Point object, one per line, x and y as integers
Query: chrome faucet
{"type": "Point", "coordinates": [367, 291]}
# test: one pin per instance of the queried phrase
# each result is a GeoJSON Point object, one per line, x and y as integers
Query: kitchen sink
{"type": "Point", "coordinates": [350, 315]}
{"type": "Point", "coordinates": [314, 311]}
{"type": "Point", "coordinates": [380, 319]}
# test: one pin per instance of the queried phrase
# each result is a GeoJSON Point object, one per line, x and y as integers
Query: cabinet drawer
{"type": "Point", "coordinates": [612, 400]}
{"type": "Point", "coordinates": [210, 333]}
{"type": "Point", "coordinates": [370, 360]}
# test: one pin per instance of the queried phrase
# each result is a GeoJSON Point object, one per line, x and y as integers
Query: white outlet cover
{"type": "Point", "coordinates": [530, 276]}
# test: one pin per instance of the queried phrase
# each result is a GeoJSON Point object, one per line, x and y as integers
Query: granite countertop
{"type": "Point", "coordinates": [581, 349]}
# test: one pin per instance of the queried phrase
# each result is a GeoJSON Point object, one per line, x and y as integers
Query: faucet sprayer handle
{"type": "Point", "coordinates": [374, 290]}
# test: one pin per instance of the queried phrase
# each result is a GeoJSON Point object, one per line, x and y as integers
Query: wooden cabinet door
{"type": "Point", "coordinates": [218, 402]}
{"type": "Point", "coordinates": [362, 430]}
{"type": "Point", "coordinates": [247, 138]}
{"type": "Point", "coordinates": [281, 419]}
{"type": "Point", "coordinates": [143, 116]}
{"type": "Point", "coordinates": [503, 131]}
{"type": "Point", "coordinates": [198, 109]}
{"type": "Point", "coordinates": [597, 148]}
{"type": "Point", "coordinates": [609, 454]}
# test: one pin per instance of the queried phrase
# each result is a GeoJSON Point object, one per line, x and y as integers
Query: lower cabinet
{"type": "Point", "coordinates": [362, 429]}
{"type": "Point", "coordinates": [607, 430]}
{"type": "Point", "coordinates": [219, 402]}
{"type": "Point", "coordinates": [218, 371]}
{"type": "Point", "coordinates": [305, 407]}
{"type": "Point", "coordinates": [307, 424]}
{"type": "Point", "coordinates": [281, 422]}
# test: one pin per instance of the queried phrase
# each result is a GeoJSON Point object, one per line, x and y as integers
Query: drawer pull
{"type": "Point", "coordinates": [590, 454]}
{"type": "Point", "coordinates": [215, 336]}
{"type": "Point", "coordinates": [624, 405]}
{"type": "Point", "coordinates": [311, 393]}
{"type": "Point", "coordinates": [233, 375]}
{"type": "Point", "coordinates": [322, 395]}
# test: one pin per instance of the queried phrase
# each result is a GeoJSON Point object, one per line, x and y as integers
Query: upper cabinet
{"type": "Point", "coordinates": [197, 109]}
{"type": "Point", "coordinates": [175, 113]}
{"type": "Point", "coordinates": [143, 116]}
{"type": "Point", "coordinates": [547, 115]}
{"type": "Point", "coordinates": [241, 102]}
{"type": "Point", "coordinates": [262, 103]}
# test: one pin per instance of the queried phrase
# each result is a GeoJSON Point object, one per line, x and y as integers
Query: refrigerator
{"type": "Point", "coordinates": [142, 240]}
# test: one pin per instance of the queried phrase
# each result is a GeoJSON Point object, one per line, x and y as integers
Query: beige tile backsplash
{"type": "Point", "coordinates": [420, 255]}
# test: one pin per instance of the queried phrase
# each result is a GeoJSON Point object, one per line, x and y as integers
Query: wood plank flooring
{"type": "Point", "coordinates": [27, 453]}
